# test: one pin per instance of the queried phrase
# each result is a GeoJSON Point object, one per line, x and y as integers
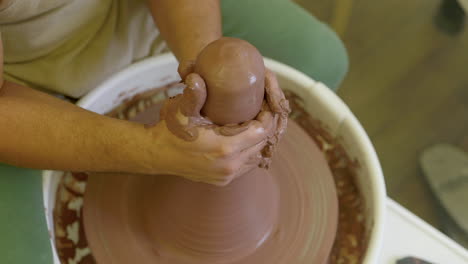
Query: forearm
{"type": "Point", "coordinates": [43, 132]}
{"type": "Point", "coordinates": [187, 25]}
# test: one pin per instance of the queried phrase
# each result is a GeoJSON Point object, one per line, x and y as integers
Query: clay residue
{"type": "Point", "coordinates": [351, 240]}
{"type": "Point", "coordinates": [182, 112]}
{"type": "Point", "coordinates": [70, 191]}
{"type": "Point", "coordinates": [132, 106]}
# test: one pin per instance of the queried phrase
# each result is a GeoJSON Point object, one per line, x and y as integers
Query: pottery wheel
{"type": "Point", "coordinates": [287, 214]}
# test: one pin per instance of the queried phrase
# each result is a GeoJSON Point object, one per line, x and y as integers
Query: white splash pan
{"type": "Point", "coordinates": [319, 101]}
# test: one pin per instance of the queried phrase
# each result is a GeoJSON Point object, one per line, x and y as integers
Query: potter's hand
{"type": "Point", "coordinates": [196, 149]}
{"type": "Point", "coordinates": [275, 96]}
{"type": "Point", "coordinates": [275, 102]}
{"type": "Point", "coordinates": [278, 104]}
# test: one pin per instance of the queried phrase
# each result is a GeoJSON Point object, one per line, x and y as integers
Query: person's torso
{"type": "Point", "coordinates": [70, 46]}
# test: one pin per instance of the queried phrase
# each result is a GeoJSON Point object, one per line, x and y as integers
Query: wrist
{"type": "Point", "coordinates": [121, 147]}
{"type": "Point", "coordinates": [143, 155]}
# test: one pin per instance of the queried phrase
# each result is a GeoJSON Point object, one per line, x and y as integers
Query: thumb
{"type": "Point", "coordinates": [185, 68]}
{"type": "Point", "coordinates": [194, 96]}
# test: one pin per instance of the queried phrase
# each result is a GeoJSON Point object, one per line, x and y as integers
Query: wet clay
{"type": "Point", "coordinates": [287, 214]}
{"type": "Point", "coordinates": [233, 69]}
{"type": "Point", "coordinates": [167, 219]}
{"type": "Point", "coordinates": [182, 116]}
{"type": "Point", "coordinates": [350, 243]}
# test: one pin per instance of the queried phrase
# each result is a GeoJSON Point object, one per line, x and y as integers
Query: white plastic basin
{"type": "Point", "coordinates": [320, 102]}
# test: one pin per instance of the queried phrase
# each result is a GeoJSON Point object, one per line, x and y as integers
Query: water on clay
{"type": "Point", "coordinates": [287, 214]}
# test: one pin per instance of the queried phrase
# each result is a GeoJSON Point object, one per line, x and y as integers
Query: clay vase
{"type": "Point", "coordinates": [287, 214]}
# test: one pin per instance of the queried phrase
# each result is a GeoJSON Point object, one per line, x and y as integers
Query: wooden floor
{"type": "Point", "coordinates": [408, 85]}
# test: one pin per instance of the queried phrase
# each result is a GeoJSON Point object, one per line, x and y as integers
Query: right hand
{"type": "Point", "coordinates": [193, 148]}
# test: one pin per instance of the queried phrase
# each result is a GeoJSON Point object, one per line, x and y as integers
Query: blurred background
{"type": "Point", "coordinates": [407, 84]}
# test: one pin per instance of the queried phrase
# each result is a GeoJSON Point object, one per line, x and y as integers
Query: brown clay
{"type": "Point", "coordinates": [234, 73]}
{"type": "Point", "coordinates": [170, 220]}
{"type": "Point", "coordinates": [349, 244]}
{"type": "Point", "coordinates": [285, 215]}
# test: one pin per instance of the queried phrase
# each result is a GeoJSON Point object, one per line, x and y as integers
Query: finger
{"type": "Point", "coordinates": [194, 95]}
{"type": "Point", "coordinates": [243, 159]}
{"type": "Point", "coordinates": [232, 129]}
{"type": "Point", "coordinates": [254, 155]}
{"type": "Point", "coordinates": [265, 118]}
{"type": "Point", "coordinates": [272, 91]}
{"type": "Point", "coordinates": [254, 135]}
{"type": "Point", "coordinates": [257, 131]}
{"type": "Point", "coordinates": [277, 103]}
{"type": "Point", "coordinates": [185, 68]}
{"type": "Point", "coordinates": [236, 140]}
{"type": "Point", "coordinates": [275, 96]}
{"type": "Point", "coordinates": [282, 124]}
{"type": "Point", "coordinates": [251, 159]}
{"type": "Point", "coordinates": [274, 127]}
